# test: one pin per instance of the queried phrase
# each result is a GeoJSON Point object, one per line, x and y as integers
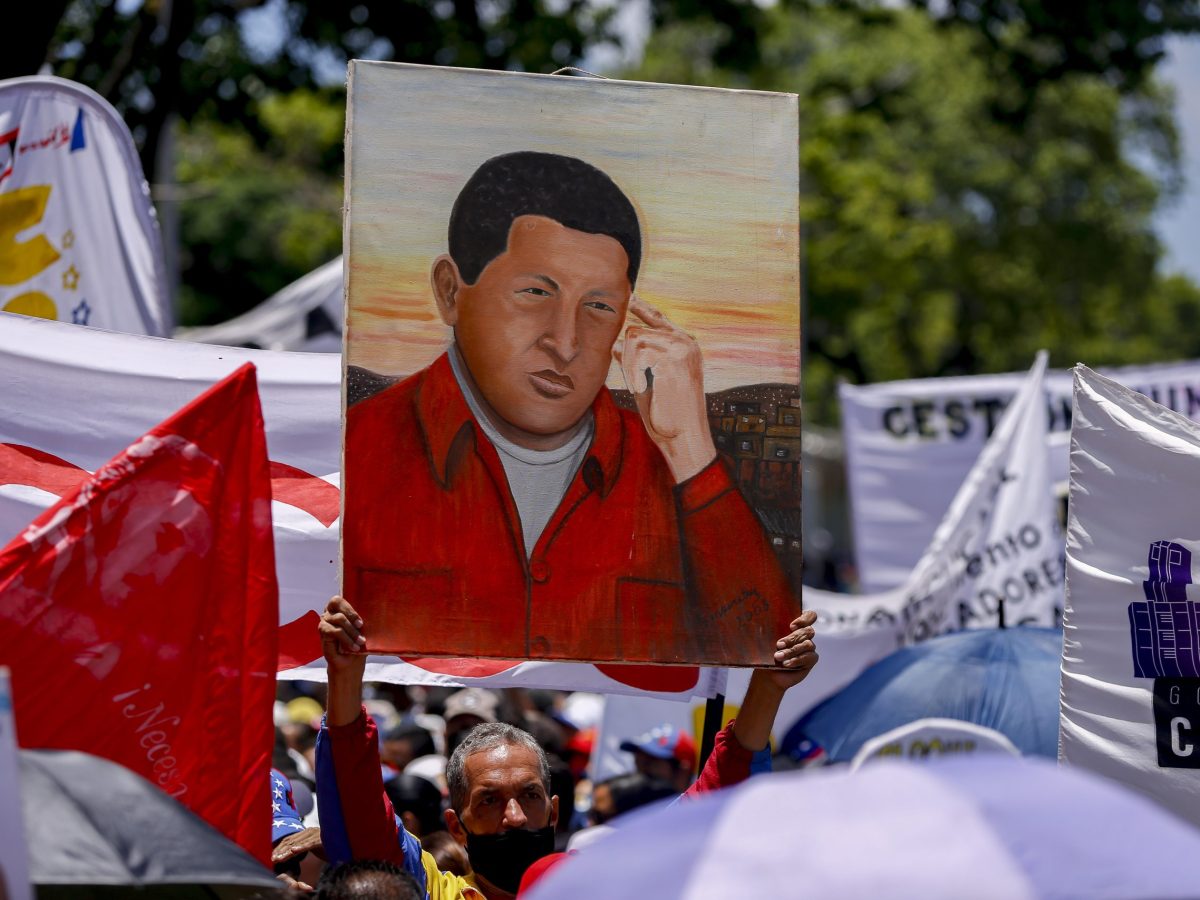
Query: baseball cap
{"type": "Point", "coordinates": [305, 711]}
{"type": "Point", "coordinates": [472, 702]}
{"type": "Point", "coordinates": [664, 742]}
{"type": "Point", "coordinates": [285, 819]}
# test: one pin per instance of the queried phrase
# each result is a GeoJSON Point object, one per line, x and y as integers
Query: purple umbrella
{"type": "Point", "coordinates": [980, 827]}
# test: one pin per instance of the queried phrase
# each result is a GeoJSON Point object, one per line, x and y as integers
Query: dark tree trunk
{"type": "Point", "coordinates": [23, 48]}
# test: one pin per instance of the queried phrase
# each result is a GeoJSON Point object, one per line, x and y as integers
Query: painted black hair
{"type": "Point", "coordinates": [567, 190]}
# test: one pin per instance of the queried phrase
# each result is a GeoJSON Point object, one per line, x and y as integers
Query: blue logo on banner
{"type": "Point", "coordinates": [77, 139]}
{"type": "Point", "coordinates": [1165, 630]}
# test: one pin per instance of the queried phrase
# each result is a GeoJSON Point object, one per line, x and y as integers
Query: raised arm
{"type": "Point", "coordinates": [795, 656]}
{"type": "Point", "coordinates": [344, 647]}
{"type": "Point", "coordinates": [749, 734]}
{"type": "Point", "coordinates": [357, 819]}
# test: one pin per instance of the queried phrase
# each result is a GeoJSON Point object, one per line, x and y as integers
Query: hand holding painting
{"type": "Point", "coordinates": [344, 649]}
{"type": "Point", "coordinates": [664, 370]}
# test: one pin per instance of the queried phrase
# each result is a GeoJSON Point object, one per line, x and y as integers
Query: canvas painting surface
{"type": "Point", "coordinates": [572, 367]}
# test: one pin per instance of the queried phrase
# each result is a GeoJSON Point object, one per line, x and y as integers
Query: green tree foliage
{"type": "Point", "coordinates": [1040, 41]}
{"type": "Point", "coordinates": [157, 59]}
{"type": "Point", "coordinates": [941, 238]}
{"type": "Point", "coordinates": [979, 175]}
{"type": "Point", "coordinates": [254, 218]}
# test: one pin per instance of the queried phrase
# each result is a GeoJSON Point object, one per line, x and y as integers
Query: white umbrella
{"type": "Point", "coordinates": [983, 827]}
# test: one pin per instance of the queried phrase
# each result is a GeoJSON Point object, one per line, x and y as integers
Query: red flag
{"type": "Point", "coordinates": [139, 614]}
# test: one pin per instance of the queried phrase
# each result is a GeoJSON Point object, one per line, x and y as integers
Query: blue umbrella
{"type": "Point", "coordinates": [991, 826]}
{"type": "Point", "coordinates": [1006, 679]}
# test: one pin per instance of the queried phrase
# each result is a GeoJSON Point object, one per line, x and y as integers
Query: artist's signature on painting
{"type": "Point", "coordinates": [745, 608]}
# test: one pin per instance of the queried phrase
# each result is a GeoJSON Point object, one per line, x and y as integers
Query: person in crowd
{"type": "Point", "coordinates": [300, 734]}
{"type": "Point", "coordinates": [418, 803]}
{"type": "Point", "coordinates": [539, 870]}
{"type": "Point", "coordinates": [664, 754]}
{"type": "Point", "coordinates": [404, 743]}
{"type": "Point", "coordinates": [464, 710]}
{"type": "Point", "coordinates": [283, 762]}
{"type": "Point", "coordinates": [291, 842]}
{"type": "Point", "coordinates": [368, 880]}
{"type": "Point", "coordinates": [578, 752]}
{"type": "Point", "coordinates": [618, 795]}
{"type": "Point", "coordinates": [448, 853]}
{"type": "Point", "coordinates": [501, 806]}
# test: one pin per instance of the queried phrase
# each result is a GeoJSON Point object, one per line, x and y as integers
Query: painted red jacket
{"type": "Point", "coordinates": [630, 567]}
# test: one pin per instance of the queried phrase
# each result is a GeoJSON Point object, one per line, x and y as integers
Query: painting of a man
{"type": "Point", "coordinates": [500, 503]}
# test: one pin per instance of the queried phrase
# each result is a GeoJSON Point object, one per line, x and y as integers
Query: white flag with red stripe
{"type": "Point", "coordinates": [995, 559]}
{"type": "Point", "coordinates": [73, 397]}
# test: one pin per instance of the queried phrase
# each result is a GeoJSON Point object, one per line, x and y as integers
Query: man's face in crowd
{"type": "Point", "coordinates": [667, 770]}
{"type": "Point", "coordinates": [505, 792]}
{"type": "Point", "coordinates": [397, 752]}
{"type": "Point", "coordinates": [457, 729]}
{"type": "Point", "coordinates": [537, 328]}
{"type": "Point", "coordinates": [603, 807]}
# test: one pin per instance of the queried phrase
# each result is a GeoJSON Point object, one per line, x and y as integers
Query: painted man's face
{"type": "Point", "coordinates": [537, 328]}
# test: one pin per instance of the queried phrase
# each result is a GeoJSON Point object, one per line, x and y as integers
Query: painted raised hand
{"type": "Point", "coordinates": [664, 369]}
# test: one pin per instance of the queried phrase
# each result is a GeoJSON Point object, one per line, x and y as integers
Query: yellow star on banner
{"type": "Point", "coordinates": [68, 238]}
{"type": "Point", "coordinates": [70, 278]}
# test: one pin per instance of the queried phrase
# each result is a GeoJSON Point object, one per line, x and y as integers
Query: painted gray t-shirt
{"type": "Point", "coordinates": [537, 478]}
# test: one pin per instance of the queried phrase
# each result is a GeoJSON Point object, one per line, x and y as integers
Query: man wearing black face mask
{"type": "Point", "coordinates": [500, 804]}
{"type": "Point", "coordinates": [499, 780]}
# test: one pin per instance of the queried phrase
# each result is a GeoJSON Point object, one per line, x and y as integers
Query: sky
{"type": "Point", "coordinates": [1179, 225]}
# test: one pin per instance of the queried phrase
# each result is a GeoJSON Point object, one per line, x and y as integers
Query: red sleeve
{"type": "Point", "coordinates": [352, 801]}
{"type": "Point", "coordinates": [728, 764]}
{"type": "Point", "coordinates": [743, 600]}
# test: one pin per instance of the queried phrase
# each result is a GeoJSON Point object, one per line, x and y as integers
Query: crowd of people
{"type": "Point", "coordinates": [390, 791]}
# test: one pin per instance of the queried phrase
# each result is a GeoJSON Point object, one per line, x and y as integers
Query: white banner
{"type": "Point", "coordinates": [306, 315]}
{"type": "Point", "coordinates": [997, 554]}
{"type": "Point", "coordinates": [910, 444]}
{"type": "Point", "coordinates": [1131, 648]}
{"type": "Point", "coordinates": [14, 854]}
{"type": "Point", "coordinates": [78, 238]}
{"type": "Point", "coordinates": [74, 397]}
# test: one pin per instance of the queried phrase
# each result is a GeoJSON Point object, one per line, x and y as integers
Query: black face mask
{"type": "Point", "coordinates": [503, 858]}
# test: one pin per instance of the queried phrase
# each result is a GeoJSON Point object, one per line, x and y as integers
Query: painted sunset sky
{"type": "Point", "coordinates": [713, 174]}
